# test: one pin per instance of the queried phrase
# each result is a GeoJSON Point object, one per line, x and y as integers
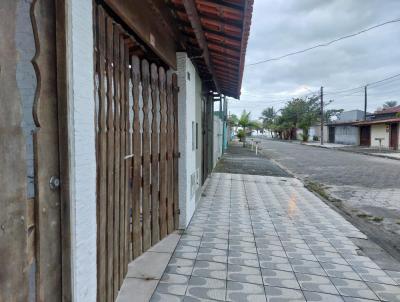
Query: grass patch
{"type": "Point", "coordinates": [320, 189]}
{"type": "Point", "coordinates": [317, 188]}
{"type": "Point", "coordinates": [363, 215]}
{"type": "Point", "coordinates": [377, 219]}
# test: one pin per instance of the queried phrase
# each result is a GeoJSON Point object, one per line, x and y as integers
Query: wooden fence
{"type": "Point", "coordinates": [137, 153]}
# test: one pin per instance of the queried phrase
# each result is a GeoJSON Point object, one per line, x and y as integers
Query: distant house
{"type": "Point", "coordinates": [344, 130]}
{"type": "Point", "coordinates": [381, 129]}
{"type": "Point", "coordinates": [314, 133]}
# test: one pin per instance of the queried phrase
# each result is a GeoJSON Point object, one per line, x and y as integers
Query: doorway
{"type": "Point", "coordinates": [394, 136]}
{"type": "Point", "coordinates": [365, 136]}
{"type": "Point", "coordinates": [331, 135]}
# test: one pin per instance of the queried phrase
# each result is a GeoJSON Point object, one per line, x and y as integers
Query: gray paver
{"type": "Point", "coordinates": [256, 238]}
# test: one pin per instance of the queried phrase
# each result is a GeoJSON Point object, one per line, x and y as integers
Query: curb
{"type": "Point", "coordinates": [338, 149]}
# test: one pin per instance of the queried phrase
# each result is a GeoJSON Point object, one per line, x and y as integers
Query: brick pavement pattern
{"type": "Point", "coordinates": [261, 238]}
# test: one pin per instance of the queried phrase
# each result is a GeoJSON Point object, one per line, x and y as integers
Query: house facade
{"type": "Point", "coordinates": [314, 133]}
{"type": "Point", "coordinates": [377, 130]}
{"type": "Point", "coordinates": [381, 129]}
{"type": "Point", "coordinates": [343, 131]}
{"type": "Point", "coordinates": [107, 133]}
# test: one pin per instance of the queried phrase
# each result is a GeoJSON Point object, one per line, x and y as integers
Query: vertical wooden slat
{"type": "Point", "coordinates": [110, 162]}
{"type": "Point", "coordinates": [137, 160]}
{"type": "Point", "coordinates": [146, 158]}
{"type": "Point", "coordinates": [101, 161]}
{"type": "Point", "coordinates": [122, 130]}
{"type": "Point", "coordinates": [154, 157]}
{"type": "Point", "coordinates": [14, 273]}
{"type": "Point", "coordinates": [45, 151]}
{"type": "Point", "coordinates": [175, 91]}
{"type": "Point", "coordinates": [117, 155]}
{"type": "Point", "coordinates": [163, 155]}
{"type": "Point", "coordinates": [170, 220]}
{"type": "Point", "coordinates": [128, 161]}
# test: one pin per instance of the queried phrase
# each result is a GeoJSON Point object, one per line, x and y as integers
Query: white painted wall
{"type": "Point", "coordinates": [217, 136]}
{"type": "Point", "coordinates": [189, 103]}
{"type": "Point", "coordinates": [379, 131]}
{"type": "Point", "coordinates": [82, 149]}
{"type": "Point", "coordinates": [347, 135]}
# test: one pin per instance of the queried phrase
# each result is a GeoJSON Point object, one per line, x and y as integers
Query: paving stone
{"type": "Point", "coordinates": [243, 273]}
{"type": "Point", "coordinates": [395, 276]}
{"type": "Point", "coordinates": [386, 292]}
{"type": "Point", "coordinates": [210, 269]}
{"type": "Point", "coordinates": [279, 278]}
{"type": "Point", "coordinates": [160, 297]}
{"type": "Point", "coordinates": [242, 258]}
{"type": "Point", "coordinates": [353, 288]}
{"type": "Point", "coordinates": [351, 299]}
{"type": "Point", "coordinates": [340, 271]}
{"type": "Point", "coordinates": [273, 262]}
{"type": "Point", "coordinates": [307, 267]}
{"type": "Point", "coordinates": [262, 239]}
{"type": "Point", "coordinates": [245, 292]}
{"type": "Point", "coordinates": [173, 284]}
{"type": "Point", "coordinates": [180, 266]}
{"type": "Point", "coordinates": [314, 297]}
{"type": "Point", "coordinates": [278, 294]}
{"type": "Point", "coordinates": [207, 288]}
{"type": "Point", "coordinates": [316, 283]}
{"type": "Point", "coordinates": [374, 275]}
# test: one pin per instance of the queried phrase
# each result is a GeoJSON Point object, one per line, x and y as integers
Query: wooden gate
{"type": "Point", "coordinates": [331, 131]}
{"type": "Point", "coordinates": [137, 152]}
{"type": "Point", "coordinates": [394, 136]}
{"type": "Point", "coordinates": [365, 136]}
{"type": "Point", "coordinates": [33, 211]}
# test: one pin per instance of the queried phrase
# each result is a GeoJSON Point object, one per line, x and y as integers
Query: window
{"type": "Point", "coordinates": [197, 136]}
{"type": "Point", "coordinates": [193, 136]}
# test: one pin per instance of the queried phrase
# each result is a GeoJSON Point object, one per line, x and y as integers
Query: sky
{"type": "Point", "coordinates": [283, 26]}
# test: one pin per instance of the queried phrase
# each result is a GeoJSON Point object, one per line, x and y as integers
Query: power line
{"type": "Point", "coordinates": [325, 44]}
{"type": "Point", "coordinates": [368, 84]}
{"type": "Point", "coordinates": [350, 92]}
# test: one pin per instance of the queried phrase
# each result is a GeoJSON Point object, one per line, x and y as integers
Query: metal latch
{"type": "Point", "coordinates": [54, 183]}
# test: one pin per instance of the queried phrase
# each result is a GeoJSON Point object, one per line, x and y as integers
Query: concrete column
{"type": "Point", "coordinates": [81, 103]}
{"type": "Point", "coordinates": [189, 114]}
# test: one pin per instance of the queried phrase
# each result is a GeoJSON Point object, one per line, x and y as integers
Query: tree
{"type": "Point", "coordinates": [302, 113]}
{"type": "Point", "coordinates": [233, 120]}
{"type": "Point", "coordinates": [256, 125]}
{"type": "Point", "coordinates": [389, 104]}
{"type": "Point", "coordinates": [268, 117]}
{"type": "Point", "coordinates": [244, 122]}
{"type": "Point", "coordinates": [330, 113]}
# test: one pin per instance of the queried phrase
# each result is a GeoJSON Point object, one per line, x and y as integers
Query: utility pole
{"type": "Point", "coordinates": [322, 115]}
{"type": "Point", "coordinates": [365, 102]}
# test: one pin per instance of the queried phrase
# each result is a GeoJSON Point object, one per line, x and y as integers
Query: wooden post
{"type": "Point", "coordinates": [137, 160]}
{"type": "Point", "coordinates": [155, 225]}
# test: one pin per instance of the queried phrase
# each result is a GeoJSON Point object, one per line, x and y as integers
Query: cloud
{"type": "Point", "coordinates": [283, 26]}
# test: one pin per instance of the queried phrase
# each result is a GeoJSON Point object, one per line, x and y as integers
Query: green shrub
{"type": "Point", "coordinates": [305, 137]}
{"type": "Point", "coordinates": [241, 134]}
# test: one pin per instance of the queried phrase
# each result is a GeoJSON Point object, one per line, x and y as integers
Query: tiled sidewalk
{"type": "Point", "coordinates": [261, 238]}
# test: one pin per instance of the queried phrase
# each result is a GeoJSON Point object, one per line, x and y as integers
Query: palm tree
{"type": "Point", "coordinates": [233, 121]}
{"type": "Point", "coordinates": [268, 117]}
{"type": "Point", "coordinates": [244, 122]}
